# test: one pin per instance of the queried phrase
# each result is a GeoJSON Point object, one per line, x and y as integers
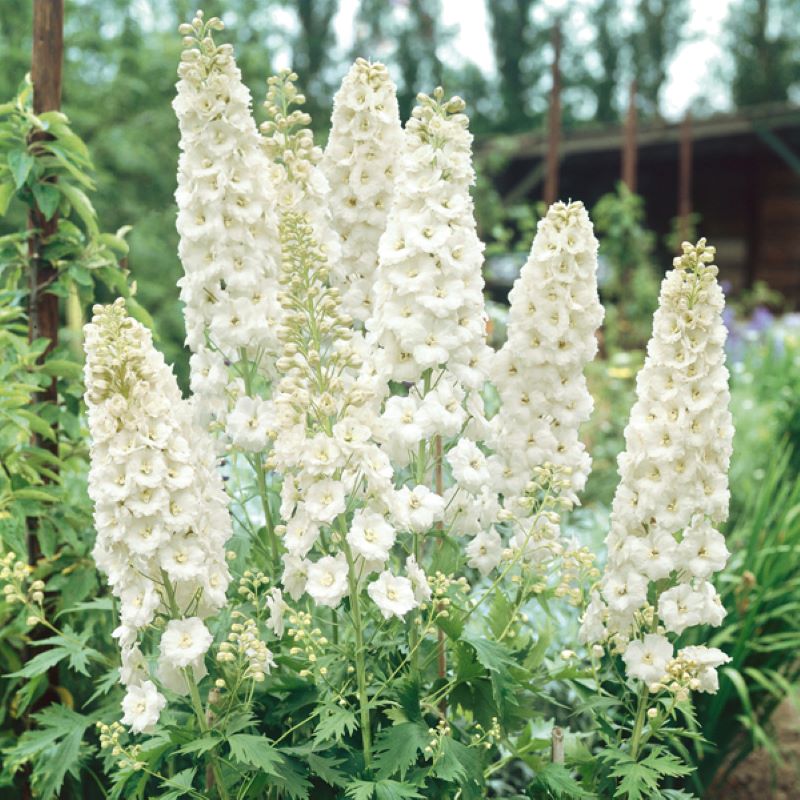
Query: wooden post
{"type": "Point", "coordinates": [685, 179]}
{"type": "Point", "coordinates": [629, 155]}
{"type": "Point", "coordinates": [43, 318]}
{"type": "Point", "coordinates": [554, 121]}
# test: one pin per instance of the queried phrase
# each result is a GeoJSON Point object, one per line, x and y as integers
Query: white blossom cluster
{"type": "Point", "coordinates": [428, 294]}
{"type": "Point", "coordinates": [539, 371]}
{"type": "Point", "coordinates": [673, 486]}
{"type": "Point", "coordinates": [160, 507]}
{"type": "Point", "coordinates": [430, 326]}
{"type": "Point", "coordinates": [325, 405]}
{"type": "Point", "coordinates": [228, 232]}
{"type": "Point", "coordinates": [359, 163]}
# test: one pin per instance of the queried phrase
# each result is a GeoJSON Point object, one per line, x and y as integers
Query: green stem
{"type": "Point", "coordinates": [194, 692]}
{"type": "Point", "coordinates": [197, 705]}
{"type": "Point", "coordinates": [638, 726]}
{"type": "Point", "coordinates": [271, 537]}
{"type": "Point", "coordinates": [361, 667]}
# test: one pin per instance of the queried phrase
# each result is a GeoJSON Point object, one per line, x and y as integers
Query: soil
{"type": "Point", "coordinates": [759, 776]}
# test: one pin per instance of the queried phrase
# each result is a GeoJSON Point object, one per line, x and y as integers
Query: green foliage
{"type": "Point", "coordinates": [45, 169]}
{"type": "Point", "coordinates": [660, 30]}
{"type": "Point", "coordinates": [760, 589]}
{"type": "Point", "coordinates": [765, 45]}
{"type": "Point", "coordinates": [53, 748]}
{"type": "Point", "coordinates": [629, 281]}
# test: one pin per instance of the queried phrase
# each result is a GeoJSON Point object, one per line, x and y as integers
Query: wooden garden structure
{"type": "Point", "coordinates": [740, 172]}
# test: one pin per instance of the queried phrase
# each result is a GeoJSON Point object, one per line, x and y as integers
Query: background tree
{"type": "Point", "coordinates": [606, 54]}
{"type": "Point", "coordinates": [516, 41]}
{"type": "Point", "coordinates": [764, 40]}
{"type": "Point", "coordinates": [659, 32]}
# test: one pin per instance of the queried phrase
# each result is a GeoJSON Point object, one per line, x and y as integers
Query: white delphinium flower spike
{"type": "Point", "coordinates": [428, 303]}
{"type": "Point", "coordinates": [359, 160]}
{"type": "Point", "coordinates": [673, 485]}
{"type": "Point", "coordinates": [228, 228]}
{"type": "Point", "coordinates": [160, 507]}
{"type": "Point", "coordinates": [539, 371]}
{"type": "Point", "coordinates": [299, 182]}
{"type": "Point", "coordinates": [430, 325]}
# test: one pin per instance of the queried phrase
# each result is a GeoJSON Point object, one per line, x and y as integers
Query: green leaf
{"type": "Point", "coordinates": [396, 748]}
{"type": "Point", "coordinates": [360, 790]}
{"type": "Point", "coordinates": [47, 198]}
{"type": "Point", "coordinates": [20, 163]}
{"type": "Point", "coordinates": [380, 790]}
{"type": "Point", "coordinates": [7, 191]}
{"type": "Point", "coordinates": [291, 780]}
{"type": "Point", "coordinates": [82, 205]}
{"type": "Point", "coordinates": [335, 724]}
{"type": "Point", "coordinates": [200, 746]}
{"type": "Point", "coordinates": [557, 780]}
{"type": "Point", "coordinates": [496, 658]}
{"type": "Point", "coordinates": [62, 368]}
{"type": "Point", "coordinates": [64, 756]}
{"type": "Point", "coordinates": [115, 243]}
{"type": "Point", "coordinates": [639, 780]}
{"type": "Point", "coordinates": [34, 494]}
{"type": "Point", "coordinates": [36, 424]}
{"type": "Point", "coordinates": [665, 763]}
{"type": "Point", "coordinates": [53, 747]}
{"type": "Point", "coordinates": [40, 663]}
{"type": "Point", "coordinates": [326, 768]}
{"type": "Point", "coordinates": [179, 784]}
{"type": "Point", "coordinates": [255, 751]}
{"type": "Point", "coordinates": [392, 790]}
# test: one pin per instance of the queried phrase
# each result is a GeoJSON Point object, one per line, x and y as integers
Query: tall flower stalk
{"type": "Point", "coordinates": [228, 239]}
{"type": "Point", "coordinates": [160, 509]}
{"type": "Point", "coordinates": [663, 545]}
{"type": "Point", "coordinates": [359, 163]}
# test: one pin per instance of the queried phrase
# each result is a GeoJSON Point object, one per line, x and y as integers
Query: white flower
{"type": "Point", "coordinates": [485, 551]}
{"type": "Point", "coordinates": [142, 706]}
{"type": "Point", "coordinates": [248, 424]}
{"type": "Point", "coordinates": [683, 606]}
{"type": "Point", "coordinates": [647, 659]}
{"type": "Point", "coordinates": [419, 581]}
{"type": "Point", "coordinates": [134, 670]}
{"type": "Point", "coordinates": [394, 595]}
{"type": "Point", "coordinates": [593, 627]}
{"type": "Point", "coordinates": [301, 534]}
{"type": "Point", "coordinates": [370, 536]}
{"type": "Point", "coordinates": [703, 663]}
{"type": "Point", "coordinates": [176, 679]}
{"type": "Point", "coordinates": [325, 500]}
{"type": "Point", "coordinates": [468, 463]}
{"type": "Point", "coordinates": [702, 550]}
{"type": "Point", "coordinates": [185, 642]}
{"type": "Point", "coordinates": [418, 508]}
{"type": "Point", "coordinates": [277, 608]}
{"type": "Point", "coordinates": [295, 575]}
{"type": "Point", "coordinates": [327, 580]}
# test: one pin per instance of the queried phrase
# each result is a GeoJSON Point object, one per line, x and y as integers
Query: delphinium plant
{"type": "Point", "coordinates": [393, 530]}
{"type": "Point", "coordinates": [663, 544]}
